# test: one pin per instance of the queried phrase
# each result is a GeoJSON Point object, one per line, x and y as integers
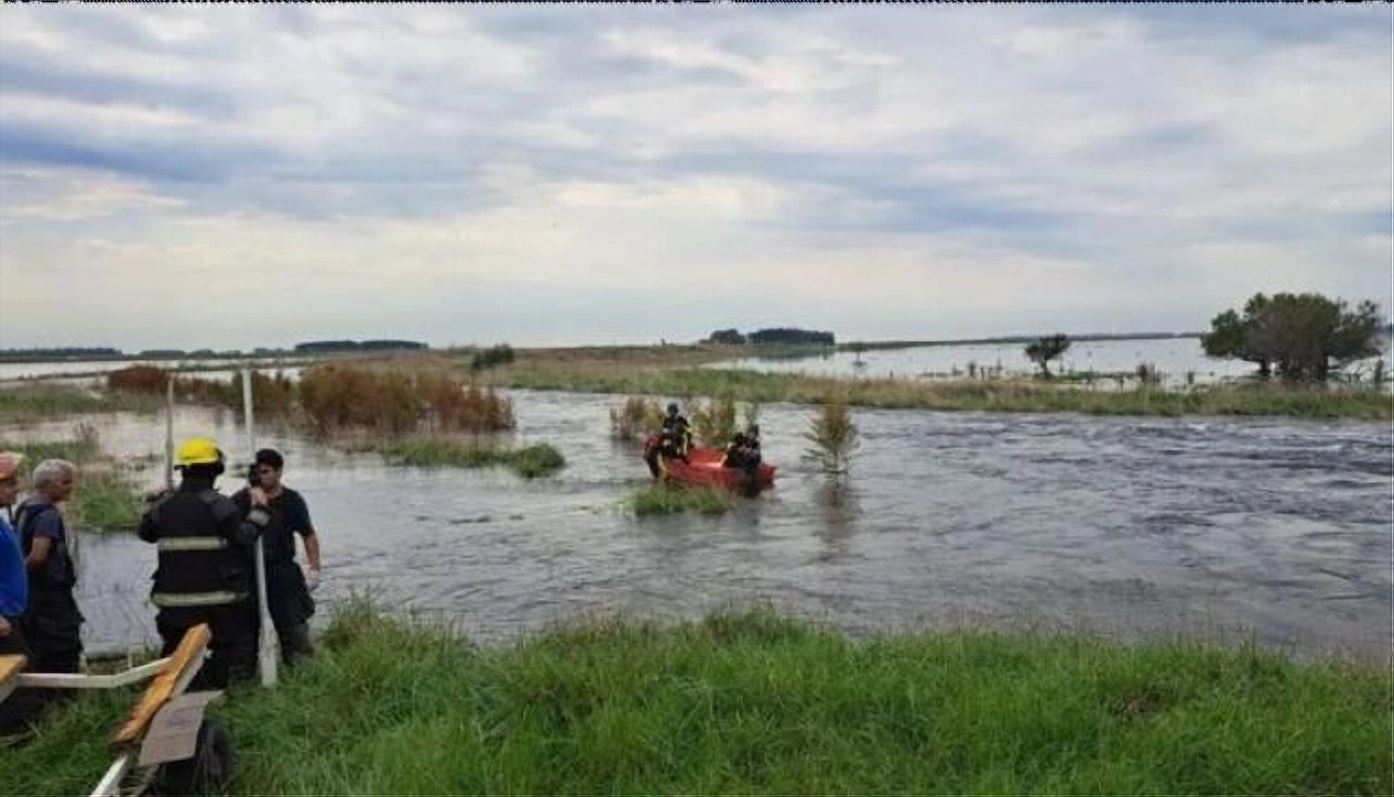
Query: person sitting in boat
{"type": "Point", "coordinates": [676, 434]}
{"type": "Point", "coordinates": [741, 454]}
{"type": "Point", "coordinates": [752, 438]}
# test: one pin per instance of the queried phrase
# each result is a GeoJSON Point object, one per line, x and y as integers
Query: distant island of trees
{"type": "Point", "coordinates": [781, 335]}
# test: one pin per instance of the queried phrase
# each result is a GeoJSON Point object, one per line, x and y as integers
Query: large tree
{"type": "Point", "coordinates": [1045, 349]}
{"type": "Point", "coordinates": [1229, 336]}
{"type": "Point", "coordinates": [1305, 335]}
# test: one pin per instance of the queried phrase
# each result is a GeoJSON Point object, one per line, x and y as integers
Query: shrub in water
{"type": "Point", "coordinates": [501, 354]}
{"type": "Point", "coordinates": [834, 438]}
{"type": "Point", "coordinates": [138, 379]}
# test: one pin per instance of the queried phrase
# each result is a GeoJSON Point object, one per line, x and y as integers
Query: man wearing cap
{"type": "Point", "coordinates": [205, 564]}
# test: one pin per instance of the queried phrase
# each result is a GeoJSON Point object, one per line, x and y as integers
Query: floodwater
{"type": "Point", "coordinates": [1271, 529]}
{"type": "Point", "coordinates": [1174, 359]}
{"type": "Point", "coordinates": [70, 370]}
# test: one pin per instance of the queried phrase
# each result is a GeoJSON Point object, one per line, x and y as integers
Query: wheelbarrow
{"type": "Point", "coordinates": [163, 744]}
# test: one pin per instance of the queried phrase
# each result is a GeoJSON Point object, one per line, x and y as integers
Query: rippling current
{"type": "Point", "coordinates": [1274, 529]}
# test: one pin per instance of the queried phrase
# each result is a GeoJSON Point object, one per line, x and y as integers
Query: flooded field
{"type": "Point", "coordinates": [1174, 358]}
{"type": "Point", "coordinates": [1277, 529]}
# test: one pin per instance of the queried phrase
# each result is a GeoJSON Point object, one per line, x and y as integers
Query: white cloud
{"type": "Point", "coordinates": [969, 168]}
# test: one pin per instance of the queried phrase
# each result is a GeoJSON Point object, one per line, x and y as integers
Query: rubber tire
{"type": "Point", "coordinates": [211, 769]}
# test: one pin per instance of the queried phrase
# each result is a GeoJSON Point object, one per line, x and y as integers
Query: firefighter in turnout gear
{"type": "Point", "coordinates": [205, 572]}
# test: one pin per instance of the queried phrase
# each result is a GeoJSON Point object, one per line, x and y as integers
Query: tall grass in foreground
{"type": "Point", "coordinates": [751, 703]}
{"type": "Point", "coordinates": [663, 498]}
{"type": "Point", "coordinates": [435, 452]}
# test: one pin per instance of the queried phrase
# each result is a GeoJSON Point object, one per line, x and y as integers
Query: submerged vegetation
{"type": "Point", "coordinates": [753, 703]}
{"type": "Point", "coordinates": [635, 418]}
{"type": "Point", "coordinates": [30, 403]}
{"type": "Point", "coordinates": [713, 420]}
{"type": "Point", "coordinates": [664, 498]}
{"type": "Point", "coordinates": [435, 452]}
{"type": "Point", "coordinates": [1003, 395]}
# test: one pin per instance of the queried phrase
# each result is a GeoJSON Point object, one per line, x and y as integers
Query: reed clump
{"type": "Point", "coordinates": [338, 397]}
{"type": "Point", "coordinates": [665, 498]}
{"type": "Point", "coordinates": [714, 420]}
{"type": "Point", "coordinates": [637, 417]}
{"type": "Point", "coordinates": [530, 462]}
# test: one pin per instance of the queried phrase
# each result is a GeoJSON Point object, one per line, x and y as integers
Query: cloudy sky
{"type": "Point", "coordinates": [233, 176]}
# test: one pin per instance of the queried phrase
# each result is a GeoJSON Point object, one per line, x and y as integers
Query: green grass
{"type": "Point", "coordinates": [37, 402]}
{"type": "Point", "coordinates": [1013, 395]}
{"type": "Point", "coordinates": [751, 703]}
{"type": "Point", "coordinates": [105, 498]}
{"type": "Point", "coordinates": [435, 452]}
{"type": "Point", "coordinates": [662, 498]}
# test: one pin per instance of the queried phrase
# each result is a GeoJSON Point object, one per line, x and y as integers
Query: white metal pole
{"type": "Point", "coordinates": [269, 646]}
{"type": "Point", "coordinates": [169, 433]}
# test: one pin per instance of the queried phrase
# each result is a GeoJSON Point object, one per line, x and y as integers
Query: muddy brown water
{"type": "Point", "coordinates": [1272, 529]}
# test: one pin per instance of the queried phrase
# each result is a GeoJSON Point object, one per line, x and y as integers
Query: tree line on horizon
{"type": "Point", "coordinates": [783, 335]}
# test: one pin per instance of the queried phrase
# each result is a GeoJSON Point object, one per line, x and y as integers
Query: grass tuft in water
{"type": "Point", "coordinates": [436, 452]}
{"type": "Point", "coordinates": [754, 703]}
{"type": "Point", "coordinates": [663, 498]}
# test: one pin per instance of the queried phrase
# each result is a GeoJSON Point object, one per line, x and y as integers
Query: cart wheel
{"type": "Point", "coordinates": [210, 771]}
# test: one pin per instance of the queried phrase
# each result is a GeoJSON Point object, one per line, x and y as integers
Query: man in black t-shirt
{"type": "Point", "coordinates": [288, 588]}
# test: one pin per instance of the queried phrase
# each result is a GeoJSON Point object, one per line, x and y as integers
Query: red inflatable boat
{"type": "Point", "coordinates": [703, 467]}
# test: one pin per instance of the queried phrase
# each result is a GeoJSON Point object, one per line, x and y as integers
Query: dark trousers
{"type": "Point", "coordinates": [52, 627]}
{"type": "Point", "coordinates": [233, 646]}
{"type": "Point", "coordinates": [23, 705]}
{"type": "Point", "coordinates": [290, 606]}
{"type": "Point", "coordinates": [295, 642]}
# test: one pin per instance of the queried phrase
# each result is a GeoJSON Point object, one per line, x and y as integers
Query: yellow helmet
{"type": "Point", "coordinates": [198, 451]}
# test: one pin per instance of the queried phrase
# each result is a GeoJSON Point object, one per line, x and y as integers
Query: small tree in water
{"type": "Point", "coordinates": [834, 438]}
{"type": "Point", "coordinates": [1045, 349]}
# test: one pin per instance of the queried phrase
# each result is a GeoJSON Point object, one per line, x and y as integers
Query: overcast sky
{"type": "Point", "coordinates": [233, 176]}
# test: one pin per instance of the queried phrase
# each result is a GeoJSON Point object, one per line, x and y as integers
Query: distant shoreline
{"type": "Point", "coordinates": [40, 357]}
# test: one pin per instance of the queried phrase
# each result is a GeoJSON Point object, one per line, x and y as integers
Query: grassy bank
{"type": "Point", "coordinates": [755, 704]}
{"type": "Point", "coordinates": [662, 498]}
{"type": "Point", "coordinates": [106, 497]}
{"type": "Point", "coordinates": [977, 395]}
{"type": "Point", "coordinates": [436, 452]}
{"type": "Point", "coordinates": [30, 403]}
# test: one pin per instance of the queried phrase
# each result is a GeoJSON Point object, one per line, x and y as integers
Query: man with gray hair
{"type": "Point", "coordinates": [52, 624]}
